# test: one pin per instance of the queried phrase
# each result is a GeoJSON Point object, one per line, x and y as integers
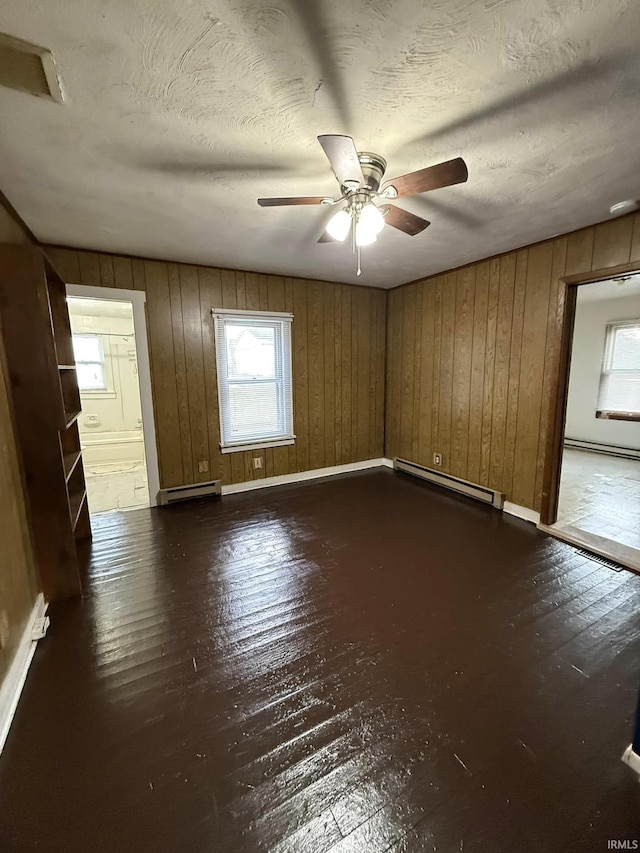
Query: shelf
{"type": "Point", "coordinates": [71, 404]}
{"type": "Point", "coordinates": [60, 318]}
{"type": "Point", "coordinates": [70, 441]}
{"type": "Point", "coordinates": [70, 462]}
{"type": "Point", "coordinates": [71, 417]}
{"type": "Point", "coordinates": [75, 506]}
{"type": "Point", "coordinates": [45, 404]}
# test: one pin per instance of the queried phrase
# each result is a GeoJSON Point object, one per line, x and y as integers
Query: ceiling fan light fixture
{"type": "Point", "coordinates": [371, 218]}
{"type": "Point", "coordinates": [339, 224]}
{"type": "Point", "coordinates": [365, 236]}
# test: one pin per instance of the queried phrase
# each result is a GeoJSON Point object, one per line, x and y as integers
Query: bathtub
{"type": "Point", "coordinates": [100, 448]}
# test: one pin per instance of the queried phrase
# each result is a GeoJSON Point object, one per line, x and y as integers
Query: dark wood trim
{"type": "Point", "coordinates": [13, 213]}
{"type": "Point", "coordinates": [566, 310]}
{"type": "Point", "coordinates": [606, 415]}
{"type": "Point", "coordinates": [602, 274]}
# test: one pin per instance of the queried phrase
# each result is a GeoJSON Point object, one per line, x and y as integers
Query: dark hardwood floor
{"type": "Point", "coordinates": [359, 664]}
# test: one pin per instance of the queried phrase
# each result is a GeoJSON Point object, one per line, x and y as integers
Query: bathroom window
{"type": "Point", "coordinates": [619, 394]}
{"type": "Point", "coordinates": [253, 356]}
{"type": "Point", "coordinates": [90, 364]}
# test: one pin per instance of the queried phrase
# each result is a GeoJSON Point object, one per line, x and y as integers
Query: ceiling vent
{"type": "Point", "coordinates": [28, 68]}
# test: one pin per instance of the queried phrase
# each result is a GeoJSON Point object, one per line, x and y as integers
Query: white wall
{"type": "Point", "coordinates": [586, 364]}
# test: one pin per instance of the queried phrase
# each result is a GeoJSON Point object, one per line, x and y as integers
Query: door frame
{"type": "Point", "coordinates": [138, 300]}
{"type": "Point", "coordinates": [566, 314]}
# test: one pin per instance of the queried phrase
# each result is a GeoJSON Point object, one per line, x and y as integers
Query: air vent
{"type": "Point", "coordinates": [610, 564]}
{"type": "Point", "coordinates": [28, 68]}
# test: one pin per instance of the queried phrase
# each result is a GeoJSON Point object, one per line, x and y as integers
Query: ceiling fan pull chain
{"type": "Point", "coordinates": [354, 220]}
{"type": "Point", "coordinates": [359, 270]}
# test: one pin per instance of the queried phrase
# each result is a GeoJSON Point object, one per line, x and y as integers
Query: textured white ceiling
{"type": "Point", "coordinates": [616, 288]}
{"type": "Point", "coordinates": [180, 113]}
{"type": "Point", "coordinates": [83, 307]}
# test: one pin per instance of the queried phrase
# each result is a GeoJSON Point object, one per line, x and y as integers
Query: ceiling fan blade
{"type": "Point", "coordinates": [279, 202]}
{"type": "Point", "coordinates": [403, 220]}
{"type": "Point", "coordinates": [342, 154]}
{"type": "Point", "coordinates": [431, 178]}
{"type": "Point", "coordinates": [326, 238]}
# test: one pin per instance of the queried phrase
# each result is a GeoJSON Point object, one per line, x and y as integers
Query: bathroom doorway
{"type": "Point", "coordinates": [118, 446]}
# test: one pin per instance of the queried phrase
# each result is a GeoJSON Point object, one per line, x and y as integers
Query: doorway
{"type": "Point", "coordinates": [598, 480]}
{"type": "Point", "coordinates": [117, 435]}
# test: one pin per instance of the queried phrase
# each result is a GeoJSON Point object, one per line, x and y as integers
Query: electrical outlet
{"type": "Point", "coordinates": [257, 462]}
{"type": "Point", "coordinates": [437, 459]}
{"type": "Point", "coordinates": [203, 466]}
{"type": "Point", "coordinates": [4, 629]}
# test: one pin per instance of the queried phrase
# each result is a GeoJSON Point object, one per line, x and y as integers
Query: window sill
{"type": "Point", "coordinates": [257, 445]}
{"type": "Point", "coordinates": [618, 416]}
{"type": "Point", "coordinates": [98, 394]}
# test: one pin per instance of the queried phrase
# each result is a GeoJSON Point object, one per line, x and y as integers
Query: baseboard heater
{"type": "Point", "coordinates": [184, 493]}
{"type": "Point", "coordinates": [599, 447]}
{"type": "Point", "coordinates": [454, 484]}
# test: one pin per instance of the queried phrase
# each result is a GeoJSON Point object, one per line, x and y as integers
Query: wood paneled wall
{"type": "Point", "coordinates": [472, 358]}
{"type": "Point", "coordinates": [338, 362]}
{"type": "Point", "coordinates": [11, 230]}
{"type": "Point", "coordinates": [18, 578]}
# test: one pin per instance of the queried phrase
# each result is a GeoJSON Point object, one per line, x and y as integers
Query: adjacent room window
{"type": "Point", "coordinates": [89, 356]}
{"type": "Point", "coordinates": [619, 395]}
{"type": "Point", "coordinates": [253, 355]}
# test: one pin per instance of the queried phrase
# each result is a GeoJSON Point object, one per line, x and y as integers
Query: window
{"type": "Point", "coordinates": [619, 395]}
{"type": "Point", "coordinates": [253, 354]}
{"type": "Point", "coordinates": [89, 356]}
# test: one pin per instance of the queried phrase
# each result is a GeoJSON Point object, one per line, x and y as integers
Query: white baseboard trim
{"type": "Point", "coordinates": [632, 759]}
{"type": "Point", "coordinates": [522, 512]}
{"type": "Point", "coordinates": [16, 676]}
{"type": "Point", "coordinates": [315, 474]}
{"type": "Point", "coordinates": [600, 447]}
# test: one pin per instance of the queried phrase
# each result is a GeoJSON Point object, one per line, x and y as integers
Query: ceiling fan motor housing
{"type": "Point", "coordinates": [373, 168]}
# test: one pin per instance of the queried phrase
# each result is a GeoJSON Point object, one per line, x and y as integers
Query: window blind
{"type": "Point", "coordinates": [620, 379]}
{"type": "Point", "coordinates": [253, 356]}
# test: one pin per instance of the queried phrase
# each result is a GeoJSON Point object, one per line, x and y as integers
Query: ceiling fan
{"type": "Point", "coordinates": [360, 175]}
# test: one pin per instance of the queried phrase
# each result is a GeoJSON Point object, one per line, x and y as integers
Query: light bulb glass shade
{"type": "Point", "coordinates": [339, 224]}
{"type": "Point", "coordinates": [371, 218]}
{"type": "Point", "coordinates": [365, 236]}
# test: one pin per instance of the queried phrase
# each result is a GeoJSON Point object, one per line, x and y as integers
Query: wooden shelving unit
{"type": "Point", "coordinates": [36, 334]}
{"type": "Point", "coordinates": [70, 460]}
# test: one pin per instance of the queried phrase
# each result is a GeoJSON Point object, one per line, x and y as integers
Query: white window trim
{"type": "Point", "coordinates": [606, 370]}
{"type": "Point", "coordinates": [233, 448]}
{"type": "Point", "coordinates": [255, 444]}
{"type": "Point", "coordinates": [259, 315]}
{"type": "Point", "coordinates": [108, 390]}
